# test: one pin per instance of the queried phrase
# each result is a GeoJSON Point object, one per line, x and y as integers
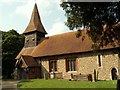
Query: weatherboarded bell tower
{"type": "Point", "coordinates": [35, 31]}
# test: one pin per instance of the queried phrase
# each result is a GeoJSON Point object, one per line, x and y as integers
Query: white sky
{"type": "Point", "coordinates": [15, 14]}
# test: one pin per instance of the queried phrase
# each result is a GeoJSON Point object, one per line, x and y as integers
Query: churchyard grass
{"type": "Point", "coordinates": [54, 83]}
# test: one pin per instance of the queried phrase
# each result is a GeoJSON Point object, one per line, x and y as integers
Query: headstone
{"type": "Point", "coordinates": [118, 84]}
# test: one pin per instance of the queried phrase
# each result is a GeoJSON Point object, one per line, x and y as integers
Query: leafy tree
{"type": "Point", "coordinates": [12, 42]}
{"type": "Point", "coordinates": [101, 17]}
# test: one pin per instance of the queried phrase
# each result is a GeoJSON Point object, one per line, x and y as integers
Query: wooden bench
{"type": "Point", "coordinates": [82, 77]}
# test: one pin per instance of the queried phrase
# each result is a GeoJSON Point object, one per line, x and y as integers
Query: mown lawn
{"type": "Point", "coordinates": [53, 83]}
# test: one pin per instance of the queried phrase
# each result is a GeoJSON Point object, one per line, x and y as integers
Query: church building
{"type": "Point", "coordinates": [64, 56]}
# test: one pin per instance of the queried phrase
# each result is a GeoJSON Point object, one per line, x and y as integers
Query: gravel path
{"type": "Point", "coordinates": [9, 85]}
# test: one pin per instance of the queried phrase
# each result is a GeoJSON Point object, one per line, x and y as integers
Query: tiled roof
{"type": "Point", "coordinates": [35, 22]}
{"type": "Point", "coordinates": [29, 61]}
{"type": "Point", "coordinates": [61, 44]}
{"type": "Point", "coordinates": [25, 52]}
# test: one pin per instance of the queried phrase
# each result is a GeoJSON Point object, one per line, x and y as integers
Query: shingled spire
{"type": "Point", "coordinates": [35, 22]}
{"type": "Point", "coordinates": [35, 31]}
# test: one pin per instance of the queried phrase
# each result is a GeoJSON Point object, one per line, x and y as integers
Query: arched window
{"type": "Point", "coordinates": [114, 74]}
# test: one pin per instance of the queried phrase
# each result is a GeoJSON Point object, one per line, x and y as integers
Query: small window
{"type": "Point", "coordinates": [71, 65]}
{"type": "Point", "coordinates": [99, 60]}
{"type": "Point", "coordinates": [33, 39]}
{"type": "Point", "coordinates": [53, 65]}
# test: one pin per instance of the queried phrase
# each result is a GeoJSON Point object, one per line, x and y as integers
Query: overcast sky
{"type": "Point", "coordinates": [15, 14]}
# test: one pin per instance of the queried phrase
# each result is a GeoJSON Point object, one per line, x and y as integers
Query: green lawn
{"type": "Point", "coordinates": [53, 83]}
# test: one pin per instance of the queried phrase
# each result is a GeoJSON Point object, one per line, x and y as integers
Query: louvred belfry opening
{"type": "Point", "coordinates": [35, 30]}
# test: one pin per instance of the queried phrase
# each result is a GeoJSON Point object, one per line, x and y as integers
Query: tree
{"type": "Point", "coordinates": [12, 42]}
{"type": "Point", "coordinates": [102, 19]}
{"type": "Point", "coordinates": [96, 16]}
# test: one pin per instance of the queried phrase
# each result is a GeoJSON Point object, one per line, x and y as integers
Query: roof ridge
{"type": "Point", "coordinates": [66, 33]}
